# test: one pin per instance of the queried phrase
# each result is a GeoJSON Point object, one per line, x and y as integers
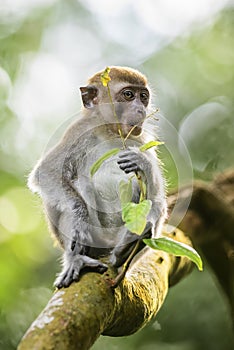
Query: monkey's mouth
{"type": "Point", "coordinates": [127, 129]}
{"type": "Point", "coordinates": [132, 129]}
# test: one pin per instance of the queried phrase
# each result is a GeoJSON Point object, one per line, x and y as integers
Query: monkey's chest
{"type": "Point", "coordinates": [102, 193]}
{"type": "Point", "coordinates": [106, 183]}
{"type": "Point", "coordinates": [107, 197]}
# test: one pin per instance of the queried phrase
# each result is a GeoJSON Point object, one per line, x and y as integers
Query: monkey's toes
{"type": "Point", "coordinates": [72, 274]}
{"type": "Point", "coordinates": [102, 268]}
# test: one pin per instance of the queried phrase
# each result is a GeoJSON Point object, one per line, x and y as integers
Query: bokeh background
{"type": "Point", "coordinates": [48, 48]}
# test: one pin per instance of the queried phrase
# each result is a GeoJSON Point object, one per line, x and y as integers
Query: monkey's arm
{"type": "Point", "coordinates": [133, 160]}
{"type": "Point", "coordinates": [146, 164]}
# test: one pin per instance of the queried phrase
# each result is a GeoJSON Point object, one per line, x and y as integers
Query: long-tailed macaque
{"type": "Point", "coordinates": [84, 212]}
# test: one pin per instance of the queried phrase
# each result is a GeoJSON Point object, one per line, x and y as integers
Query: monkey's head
{"type": "Point", "coordinates": [129, 93]}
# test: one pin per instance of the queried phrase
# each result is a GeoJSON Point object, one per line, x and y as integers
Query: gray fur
{"type": "Point", "coordinates": [84, 213]}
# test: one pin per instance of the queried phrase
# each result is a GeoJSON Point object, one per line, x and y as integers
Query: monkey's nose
{"type": "Point", "coordinates": [140, 111]}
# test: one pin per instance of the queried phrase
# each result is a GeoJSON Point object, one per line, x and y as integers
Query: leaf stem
{"type": "Point", "coordinates": [154, 112]}
{"type": "Point", "coordinates": [141, 186]}
{"type": "Point", "coordinates": [135, 126]}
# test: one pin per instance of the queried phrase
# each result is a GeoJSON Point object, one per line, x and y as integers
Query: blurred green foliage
{"type": "Point", "coordinates": [193, 79]}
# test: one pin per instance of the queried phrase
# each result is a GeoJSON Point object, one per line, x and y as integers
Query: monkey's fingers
{"type": "Point", "coordinates": [72, 273]}
{"type": "Point", "coordinates": [94, 264]}
{"type": "Point", "coordinates": [128, 167]}
{"type": "Point", "coordinates": [69, 275]}
{"type": "Point", "coordinates": [129, 161]}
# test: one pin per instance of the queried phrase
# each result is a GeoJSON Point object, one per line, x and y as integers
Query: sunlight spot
{"type": "Point", "coordinates": [9, 217]}
{"type": "Point", "coordinates": [17, 213]}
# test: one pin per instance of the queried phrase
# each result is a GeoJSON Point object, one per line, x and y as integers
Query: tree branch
{"type": "Point", "coordinates": [209, 223]}
{"type": "Point", "coordinates": [75, 317]}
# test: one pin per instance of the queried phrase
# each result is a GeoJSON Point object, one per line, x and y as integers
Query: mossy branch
{"type": "Point", "coordinates": [75, 317]}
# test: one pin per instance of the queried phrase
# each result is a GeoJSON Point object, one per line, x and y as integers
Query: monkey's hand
{"type": "Point", "coordinates": [133, 160]}
{"type": "Point", "coordinates": [73, 265]}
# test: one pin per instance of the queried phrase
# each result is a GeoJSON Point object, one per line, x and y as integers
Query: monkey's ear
{"type": "Point", "coordinates": [89, 96]}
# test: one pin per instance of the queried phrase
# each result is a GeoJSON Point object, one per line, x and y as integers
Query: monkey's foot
{"type": "Point", "coordinates": [72, 270]}
{"type": "Point", "coordinates": [121, 253]}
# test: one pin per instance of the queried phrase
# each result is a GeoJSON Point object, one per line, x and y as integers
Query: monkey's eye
{"type": "Point", "coordinates": [144, 97]}
{"type": "Point", "coordinates": [128, 95]}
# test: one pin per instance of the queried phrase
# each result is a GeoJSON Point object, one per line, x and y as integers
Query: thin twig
{"type": "Point", "coordinates": [116, 117]}
{"type": "Point", "coordinates": [125, 266]}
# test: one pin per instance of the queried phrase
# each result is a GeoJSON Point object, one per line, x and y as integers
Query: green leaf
{"type": "Point", "coordinates": [171, 246]}
{"type": "Point", "coordinates": [150, 144]}
{"type": "Point", "coordinates": [105, 78]}
{"type": "Point", "coordinates": [135, 215]}
{"type": "Point", "coordinates": [125, 192]}
{"type": "Point", "coordinates": [94, 168]}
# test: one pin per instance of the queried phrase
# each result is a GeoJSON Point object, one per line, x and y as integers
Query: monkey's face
{"type": "Point", "coordinates": [126, 104]}
{"type": "Point", "coordinates": [131, 107]}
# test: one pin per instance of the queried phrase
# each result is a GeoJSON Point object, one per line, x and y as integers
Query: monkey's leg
{"type": "Point", "coordinates": [76, 257]}
{"type": "Point", "coordinates": [73, 233]}
{"type": "Point", "coordinates": [135, 247]}
{"type": "Point", "coordinates": [128, 244]}
{"type": "Point", "coordinates": [125, 266]}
